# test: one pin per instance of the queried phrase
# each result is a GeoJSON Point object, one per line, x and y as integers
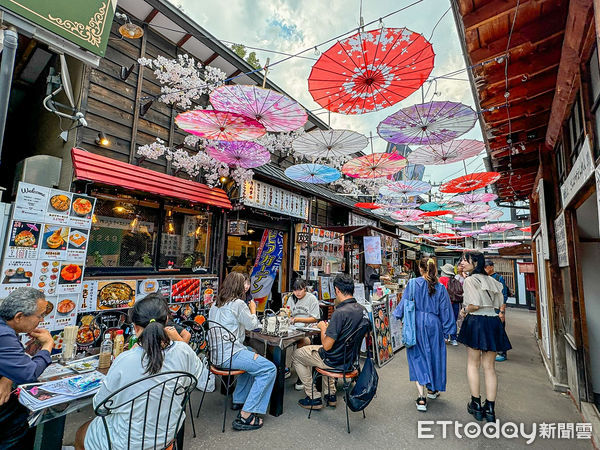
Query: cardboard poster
{"type": "Point", "coordinates": [77, 244]}
{"type": "Point", "coordinates": [16, 273]}
{"type": "Point", "coordinates": [69, 280]}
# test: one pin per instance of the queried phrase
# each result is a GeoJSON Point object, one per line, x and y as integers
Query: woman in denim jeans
{"type": "Point", "coordinates": [253, 388]}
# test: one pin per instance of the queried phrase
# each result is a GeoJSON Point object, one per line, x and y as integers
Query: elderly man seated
{"type": "Point", "coordinates": [20, 312]}
{"type": "Point", "coordinates": [348, 317]}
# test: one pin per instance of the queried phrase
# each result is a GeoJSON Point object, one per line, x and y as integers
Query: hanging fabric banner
{"type": "Point", "coordinates": [372, 246]}
{"type": "Point", "coordinates": [266, 266]}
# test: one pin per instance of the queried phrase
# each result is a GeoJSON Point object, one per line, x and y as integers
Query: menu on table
{"type": "Point", "coordinates": [47, 241]}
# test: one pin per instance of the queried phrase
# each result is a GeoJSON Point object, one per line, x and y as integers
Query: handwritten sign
{"type": "Point", "coordinates": [582, 170]}
{"type": "Point", "coordinates": [560, 232]}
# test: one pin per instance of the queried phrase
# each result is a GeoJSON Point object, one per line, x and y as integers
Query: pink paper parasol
{"type": "Point", "coordinates": [472, 209]}
{"type": "Point", "coordinates": [405, 215]}
{"type": "Point", "coordinates": [219, 125]}
{"type": "Point", "coordinates": [275, 111]}
{"type": "Point", "coordinates": [471, 233]}
{"type": "Point", "coordinates": [447, 152]}
{"type": "Point", "coordinates": [244, 154]}
{"type": "Point", "coordinates": [498, 227]}
{"type": "Point", "coordinates": [405, 188]}
{"type": "Point", "coordinates": [472, 198]}
{"type": "Point", "coordinates": [375, 165]}
{"type": "Point", "coordinates": [504, 244]}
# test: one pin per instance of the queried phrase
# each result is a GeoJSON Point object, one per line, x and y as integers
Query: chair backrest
{"type": "Point", "coordinates": [198, 341]}
{"type": "Point", "coordinates": [352, 345]}
{"type": "Point", "coordinates": [220, 344]}
{"type": "Point", "coordinates": [156, 403]}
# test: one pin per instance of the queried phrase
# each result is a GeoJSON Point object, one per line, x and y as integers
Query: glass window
{"type": "Point", "coordinates": [185, 238]}
{"type": "Point", "coordinates": [123, 233]}
{"type": "Point", "coordinates": [594, 71]}
{"type": "Point", "coordinates": [560, 162]}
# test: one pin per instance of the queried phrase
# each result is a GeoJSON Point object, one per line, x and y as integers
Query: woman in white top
{"type": "Point", "coordinates": [253, 388]}
{"type": "Point", "coordinates": [482, 332]}
{"type": "Point", "coordinates": [159, 349]}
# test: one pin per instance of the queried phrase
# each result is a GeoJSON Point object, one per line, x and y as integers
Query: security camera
{"type": "Point", "coordinates": [81, 119]}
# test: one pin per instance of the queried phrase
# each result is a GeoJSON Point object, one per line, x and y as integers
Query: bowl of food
{"type": "Point", "coordinates": [115, 295]}
{"type": "Point", "coordinates": [25, 239]}
{"type": "Point", "coordinates": [65, 306]}
{"type": "Point", "coordinates": [82, 206]}
{"type": "Point", "coordinates": [49, 308]}
{"type": "Point", "coordinates": [55, 239]}
{"type": "Point", "coordinates": [60, 202]}
{"type": "Point", "coordinates": [70, 272]}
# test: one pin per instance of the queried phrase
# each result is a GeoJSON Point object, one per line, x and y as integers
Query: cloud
{"type": "Point", "coordinates": [284, 29]}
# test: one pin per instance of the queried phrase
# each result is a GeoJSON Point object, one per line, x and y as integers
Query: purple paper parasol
{"type": "Point", "coordinates": [244, 154]}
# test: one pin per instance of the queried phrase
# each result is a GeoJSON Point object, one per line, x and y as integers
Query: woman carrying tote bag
{"type": "Point", "coordinates": [433, 319]}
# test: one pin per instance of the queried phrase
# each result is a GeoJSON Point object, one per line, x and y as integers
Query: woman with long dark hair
{"type": "Point", "coordinates": [482, 332]}
{"type": "Point", "coordinates": [253, 388]}
{"type": "Point", "coordinates": [434, 320]}
{"type": "Point", "coordinates": [158, 349]}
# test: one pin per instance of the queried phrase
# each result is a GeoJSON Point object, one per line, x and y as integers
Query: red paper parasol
{"type": "Point", "coordinates": [375, 165]}
{"type": "Point", "coordinates": [371, 70]}
{"type": "Point", "coordinates": [275, 111]}
{"type": "Point", "coordinates": [470, 182]}
{"type": "Point", "coordinates": [447, 236]}
{"type": "Point", "coordinates": [219, 125]}
{"type": "Point", "coordinates": [441, 212]}
{"type": "Point", "coordinates": [446, 153]}
{"type": "Point", "coordinates": [244, 154]}
{"type": "Point", "coordinates": [525, 229]}
{"type": "Point", "coordinates": [367, 205]}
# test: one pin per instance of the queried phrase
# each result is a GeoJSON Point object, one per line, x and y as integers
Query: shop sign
{"type": "Point", "coordinates": [411, 254]}
{"type": "Point", "coordinates": [302, 238]}
{"type": "Point", "coordinates": [372, 249]}
{"type": "Point", "coordinates": [270, 198]}
{"type": "Point", "coordinates": [357, 219]}
{"type": "Point", "coordinates": [405, 235]}
{"type": "Point", "coordinates": [85, 23]}
{"type": "Point", "coordinates": [237, 227]}
{"type": "Point", "coordinates": [266, 267]}
{"type": "Point", "coordinates": [582, 170]}
{"type": "Point", "coordinates": [560, 232]}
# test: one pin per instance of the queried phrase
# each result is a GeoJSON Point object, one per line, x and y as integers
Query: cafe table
{"type": "Point", "coordinates": [279, 346]}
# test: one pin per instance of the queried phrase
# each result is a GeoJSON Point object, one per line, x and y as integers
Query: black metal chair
{"type": "Point", "coordinates": [220, 342]}
{"type": "Point", "coordinates": [173, 389]}
{"type": "Point", "coordinates": [349, 371]}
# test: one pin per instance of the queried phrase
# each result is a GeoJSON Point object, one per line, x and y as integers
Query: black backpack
{"type": "Point", "coordinates": [365, 387]}
{"type": "Point", "coordinates": [455, 290]}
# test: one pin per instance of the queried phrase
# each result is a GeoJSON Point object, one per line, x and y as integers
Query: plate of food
{"type": "Point", "coordinates": [70, 273]}
{"type": "Point", "coordinates": [60, 202]}
{"type": "Point", "coordinates": [55, 238]}
{"type": "Point", "coordinates": [65, 306]}
{"type": "Point", "coordinates": [82, 206]}
{"type": "Point", "coordinates": [87, 335]}
{"type": "Point", "coordinates": [25, 239]}
{"type": "Point", "coordinates": [84, 366]}
{"type": "Point", "coordinates": [115, 295]}
{"type": "Point", "coordinates": [77, 239]}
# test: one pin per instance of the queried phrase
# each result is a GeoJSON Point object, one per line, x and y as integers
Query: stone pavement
{"type": "Point", "coordinates": [525, 396]}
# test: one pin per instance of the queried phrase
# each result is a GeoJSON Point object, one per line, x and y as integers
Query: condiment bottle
{"type": "Point", "coordinates": [105, 352]}
{"type": "Point", "coordinates": [132, 341]}
{"type": "Point", "coordinates": [118, 344]}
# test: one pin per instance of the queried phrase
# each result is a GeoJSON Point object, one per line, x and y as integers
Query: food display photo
{"type": "Point", "coordinates": [82, 209]}
{"type": "Point", "coordinates": [53, 241]}
{"type": "Point", "coordinates": [186, 290]}
{"type": "Point", "coordinates": [59, 206]}
{"type": "Point", "coordinates": [24, 240]}
{"type": "Point", "coordinates": [116, 294]}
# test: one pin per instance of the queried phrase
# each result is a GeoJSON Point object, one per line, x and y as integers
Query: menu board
{"type": "Point", "coordinates": [381, 333]}
{"type": "Point", "coordinates": [326, 249]}
{"type": "Point", "coordinates": [270, 198]}
{"type": "Point", "coordinates": [47, 242]}
{"type": "Point", "coordinates": [395, 324]}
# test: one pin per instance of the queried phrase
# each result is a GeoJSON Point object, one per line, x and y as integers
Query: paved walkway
{"type": "Point", "coordinates": [525, 396]}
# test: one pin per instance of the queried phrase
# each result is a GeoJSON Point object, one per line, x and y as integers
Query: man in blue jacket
{"type": "Point", "coordinates": [489, 268]}
{"type": "Point", "coordinates": [20, 312]}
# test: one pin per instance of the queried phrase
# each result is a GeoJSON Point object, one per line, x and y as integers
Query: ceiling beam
{"type": "Point", "coordinates": [522, 124]}
{"type": "Point", "coordinates": [186, 37]}
{"type": "Point", "coordinates": [210, 59]}
{"type": "Point", "coordinates": [525, 108]}
{"type": "Point", "coordinates": [490, 11]}
{"type": "Point", "coordinates": [525, 91]}
{"type": "Point", "coordinates": [578, 21]}
{"type": "Point", "coordinates": [234, 74]}
{"type": "Point", "coordinates": [540, 30]}
{"type": "Point", "coordinates": [151, 15]}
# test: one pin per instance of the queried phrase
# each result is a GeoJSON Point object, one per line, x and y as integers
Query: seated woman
{"type": "Point", "coordinates": [253, 388]}
{"type": "Point", "coordinates": [159, 349]}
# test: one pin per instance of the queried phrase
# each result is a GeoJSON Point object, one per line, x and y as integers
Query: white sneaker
{"type": "Point", "coordinates": [433, 395]}
{"type": "Point", "coordinates": [454, 342]}
{"type": "Point", "coordinates": [298, 385]}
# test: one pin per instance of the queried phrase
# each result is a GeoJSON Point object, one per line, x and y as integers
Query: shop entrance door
{"type": "Point", "coordinates": [589, 257]}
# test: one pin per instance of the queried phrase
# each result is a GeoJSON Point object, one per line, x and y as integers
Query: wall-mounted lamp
{"type": "Point", "coordinates": [102, 140]}
{"type": "Point", "coordinates": [145, 107]}
{"type": "Point", "coordinates": [125, 72]}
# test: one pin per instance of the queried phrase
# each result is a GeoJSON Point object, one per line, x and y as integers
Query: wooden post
{"type": "Point", "coordinates": [138, 95]}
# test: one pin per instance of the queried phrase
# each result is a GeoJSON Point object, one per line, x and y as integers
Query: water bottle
{"type": "Point", "coordinates": [106, 350]}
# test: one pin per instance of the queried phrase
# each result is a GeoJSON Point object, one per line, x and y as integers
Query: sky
{"type": "Point", "coordinates": [294, 25]}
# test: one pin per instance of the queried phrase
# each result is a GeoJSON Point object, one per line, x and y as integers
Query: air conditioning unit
{"type": "Point", "coordinates": [43, 170]}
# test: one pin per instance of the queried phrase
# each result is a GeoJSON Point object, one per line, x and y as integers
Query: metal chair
{"type": "Point", "coordinates": [172, 389]}
{"type": "Point", "coordinates": [350, 369]}
{"type": "Point", "coordinates": [220, 342]}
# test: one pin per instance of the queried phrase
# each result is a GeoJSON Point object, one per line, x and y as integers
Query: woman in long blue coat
{"type": "Point", "coordinates": [434, 319]}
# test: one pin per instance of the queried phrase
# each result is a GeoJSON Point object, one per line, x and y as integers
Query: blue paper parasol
{"type": "Point", "coordinates": [312, 173]}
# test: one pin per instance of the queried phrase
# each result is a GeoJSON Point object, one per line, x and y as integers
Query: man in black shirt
{"type": "Point", "coordinates": [346, 319]}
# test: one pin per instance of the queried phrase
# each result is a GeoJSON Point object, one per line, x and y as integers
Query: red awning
{"type": "Point", "coordinates": [100, 169]}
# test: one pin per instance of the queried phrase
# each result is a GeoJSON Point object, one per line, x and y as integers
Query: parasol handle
{"type": "Point", "coordinates": [266, 69]}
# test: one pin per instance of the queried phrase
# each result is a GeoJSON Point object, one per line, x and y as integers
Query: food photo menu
{"type": "Point", "coordinates": [46, 247]}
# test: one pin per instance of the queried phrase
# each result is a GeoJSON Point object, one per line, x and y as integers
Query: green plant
{"type": "Point", "coordinates": [146, 259]}
{"type": "Point", "coordinates": [97, 259]}
{"type": "Point", "coordinates": [188, 261]}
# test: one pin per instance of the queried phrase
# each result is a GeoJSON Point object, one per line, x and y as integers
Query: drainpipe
{"type": "Point", "coordinates": [6, 73]}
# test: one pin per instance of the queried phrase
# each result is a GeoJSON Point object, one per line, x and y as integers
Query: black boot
{"type": "Point", "coordinates": [474, 408]}
{"type": "Point", "coordinates": [489, 409]}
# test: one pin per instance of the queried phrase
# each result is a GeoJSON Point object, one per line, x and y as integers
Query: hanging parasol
{"type": "Point", "coordinates": [436, 206]}
{"type": "Point", "coordinates": [447, 236]}
{"type": "Point", "coordinates": [498, 227]}
{"type": "Point", "coordinates": [394, 206]}
{"type": "Point", "coordinates": [455, 247]}
{"type": "Point", "coordinates": [329, 143]}
{"type": "Point", "coordinates": [375, 165]}
{"type": "Point", "coordinates": [504, 244]}
{"type": "Point", "coordinates": [427, 123]}
{"type": "Point", "coordinates": [244, 154]}
{"type": "Point", "coordinates": [367, 205]}
{"type": "Point", "coordinates": [447, 152]}
{"type": "Point", "coordinates": [405, 188]}
{"type": "Point", "coordinates": [471, 233]}
{"type": "Point", "coordinates": [525, 229]}
{"type": "Point", "coordinates": [219, 125]}
{"type": "Point", "coordinates": [473, 198]}
{"type": "Point", "coordinates": [371, 70]}
{"type": "Point", "coordinates": [441, 212]}
{"type": "Point", "coordinates": [312, 173]}
{"type": "Point", "coordinates": [406, 215]}
{"type": "Point", "coordinates": [469, 182]}
{"type": "Point", "coordinates": [493, 214]}
{"type": "Point", "coordinates": [472, 209]}
{"type": "Point", "coordinates": [275, 111]}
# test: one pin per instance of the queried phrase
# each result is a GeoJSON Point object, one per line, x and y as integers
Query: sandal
{"type": "Point", "coordinates": [432, 394]}
{"type": "Point", "coordinates": [421, 403]}
{"type": "Point", "coordinates": [252, 422]}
